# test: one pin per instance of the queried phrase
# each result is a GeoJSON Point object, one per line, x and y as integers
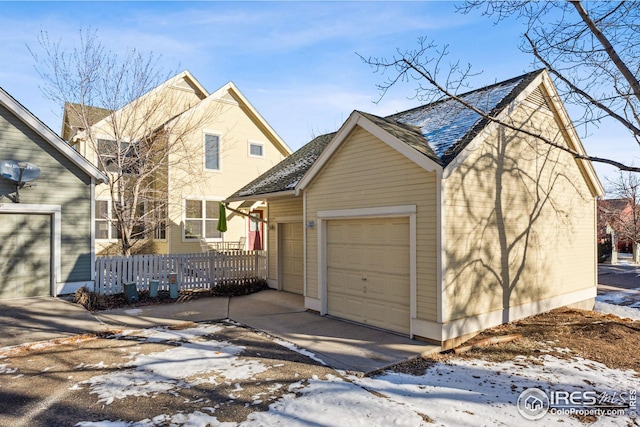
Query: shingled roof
{"type": "Point", "coordinates": [439, 130]}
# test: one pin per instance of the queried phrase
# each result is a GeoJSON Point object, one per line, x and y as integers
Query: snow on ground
{"type": "Point", "coordinates": [167, 370]}
{"type": "Point", "coordinates": [619, 310]}
{"type": "Point", "coordinates": [460, 392]}
{"type": "Point", "coordinates": [477, 392]}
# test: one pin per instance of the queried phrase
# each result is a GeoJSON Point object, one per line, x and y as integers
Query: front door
{"type": "Point", "coordinates": [256, 232]}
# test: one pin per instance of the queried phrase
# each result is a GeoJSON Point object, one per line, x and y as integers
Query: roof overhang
{"type": "Point", "coordinates": [357, 119]}
{"type": "Point", "coordinates": [48, 135]}
{"type": "Point", "coordinates": [264, 196]}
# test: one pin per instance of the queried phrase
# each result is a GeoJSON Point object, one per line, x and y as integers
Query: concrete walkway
{"type": "Point", "coordinates": [342, 345]}
{"type": "Point", "coordinates": [25, 320]}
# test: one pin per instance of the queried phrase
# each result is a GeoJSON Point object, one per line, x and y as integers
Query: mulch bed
{"type": "Point", "coordinates": [97, 302]}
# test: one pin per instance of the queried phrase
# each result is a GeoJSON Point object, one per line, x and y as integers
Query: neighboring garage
{"type": "Point", "coordinates": [46, 229]}
{"type": "Point", "coordinates": [291, 257]}
{"type": "Point", "coordinates": [368, 278]}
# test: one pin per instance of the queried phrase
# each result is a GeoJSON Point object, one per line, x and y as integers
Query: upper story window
{"type": "Point", "coordinates": [211, 152]}
{"type": "Point", "coordinates": [256, 149]}
{"type": "Point", "coordinates": [108, 153]}
{"type": "Point", "coordinates": [124, 159]}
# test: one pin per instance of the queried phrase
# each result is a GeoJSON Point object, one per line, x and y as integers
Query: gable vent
{"type": "Point", "coordinates": [537, 98]}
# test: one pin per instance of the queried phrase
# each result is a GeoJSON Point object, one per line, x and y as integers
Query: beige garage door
{"type": "Point", "coordinates": [291, 257]}
{"type": "Point", "coordinates": [25, 255]}
{"type": "Point", "coordinates": [368, 272]}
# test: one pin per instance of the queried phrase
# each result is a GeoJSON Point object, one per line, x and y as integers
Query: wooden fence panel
{"type": "Point", "coordinates": [194, 271]}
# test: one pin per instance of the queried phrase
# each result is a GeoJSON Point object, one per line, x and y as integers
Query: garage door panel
{"type": "Point", "coordinates": [291, 257]}
{"type": "Point", "coordinates": [376, 250]}
{"type": "Point", "coordinates": [25, 255]}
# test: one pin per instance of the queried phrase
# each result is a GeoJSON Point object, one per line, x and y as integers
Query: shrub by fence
{"type": "Point", "coordinates": [193, 271]}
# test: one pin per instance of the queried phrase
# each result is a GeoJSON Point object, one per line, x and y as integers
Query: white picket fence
{"type": "Point", "coordinates": [194, 271]}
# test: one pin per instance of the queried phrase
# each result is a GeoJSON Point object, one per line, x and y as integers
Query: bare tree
{"type": "Point", "coordinates": [623, 213]}
{"type": "Point", "coordinates": [125, 121]}
{"type": "Point", "coordinates": [592, 52]}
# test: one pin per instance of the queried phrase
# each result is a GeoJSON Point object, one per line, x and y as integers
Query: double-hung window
{"type": "Point", "coordinates": [201, 219]}
{"type": "Point", "coordinates": [211, 151]}
{"type": "Point", "coordinates": [105, 227]}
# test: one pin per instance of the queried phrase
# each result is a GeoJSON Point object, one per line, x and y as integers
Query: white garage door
{"type": "Point", "coordinates": [291, 257]}
{"type": "Point", "coordinates": [25, 255]}
{"type": "Point", "coordinates": [368, 272]}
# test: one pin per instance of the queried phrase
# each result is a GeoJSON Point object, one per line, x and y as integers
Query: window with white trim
{"type": "Point", "coordinates": [151, 215]}
{"type": "Point", "coordinates": [256, 149]}
{"type": "Point", "coordinates": [105, 227]}
{"type": "Point", "coordinates": [201, 219]}
{"type": "Point", "coordinates": [211, 151]}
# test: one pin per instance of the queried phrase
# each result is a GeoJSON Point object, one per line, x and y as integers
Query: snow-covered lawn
{"type": "Point", "coordinates": [460, 392]}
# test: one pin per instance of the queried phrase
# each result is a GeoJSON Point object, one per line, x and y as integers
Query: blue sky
{"type": "Point", "coordinates": [295, 61]}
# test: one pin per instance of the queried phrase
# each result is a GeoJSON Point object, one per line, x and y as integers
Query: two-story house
{"type": "Point", "coordinates": [203, 147]}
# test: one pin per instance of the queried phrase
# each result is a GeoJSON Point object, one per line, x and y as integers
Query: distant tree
{"type": "Point", "coordinates": [143, 132]}
{"type": "Point", "coordinates": [623, 214]}
{"type": "Point", "coordinates": [592, 51]}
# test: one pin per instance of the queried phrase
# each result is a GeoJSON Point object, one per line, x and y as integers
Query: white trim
{"type": "Point", "coordinates": [401, 210]}
{"type": "Point", "coordinates": [93, 232]}
{"type": "Point", "coordinates": [441, 252]}
{"type": "Point", "coordinates": [56, 234]}
{"type": "Point", "coordinates": [205, 133]}
{"type": "Point", "coordinates": [65, 288]}
{"type": "Point", "coordinates": [47, 134]}
{"type": "Point", "coordinates": [256, 143]}
{"type": "Point", "coordinates": [409, 211]}
{"type": "Point", "coordinates": [467, 325]}
{"type": "Point", "coordinates": [312, 304]}
{"type": "Point", "coordinates": [304, 245]}
{"type": "Point", "coordinates": [357, 119]}
{"type": "Point", "coordinates": [412, 154]}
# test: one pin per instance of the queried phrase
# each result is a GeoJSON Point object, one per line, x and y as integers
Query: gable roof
{"type": "Point", "coordinates": [448, 126]}
{"type": "Point", "coordinates": [230, 92]}
{"type": "Point", "coordinates": [432, 135]}
{"type": "Point", "coordinates": [49, 136]}
{"type": "Point", "coordinates": [282, 179]}
{"type": "Point", "coordinates": [71, 118]}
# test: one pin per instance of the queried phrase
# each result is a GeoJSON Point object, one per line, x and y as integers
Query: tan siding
{"type": "Point", "coordinates": [189, 178]}
{"type": "Point", "coordinates": [519, 222]}
{"type": "Point", "coordinates": [364, 173]}
{"type": "Point", "coordinates": [187, 175]}
{"type": "Point", "coordinates": [279, 210]}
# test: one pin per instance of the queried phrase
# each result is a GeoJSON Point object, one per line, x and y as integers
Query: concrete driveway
{"type": "Point", "coordinates": [25, 320]}
{"type": "Point", "coordinates": [342, 345]}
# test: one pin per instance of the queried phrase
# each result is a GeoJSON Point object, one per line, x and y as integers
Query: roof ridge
{"type": "Point", "coordinates": [525, 76]}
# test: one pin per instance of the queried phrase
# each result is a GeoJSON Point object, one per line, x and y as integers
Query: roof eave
{"type": "Point", "coordinates": [358, 119]}
{"type": "Point", "coordinates": [263, 196]}
{"type": "Point", "coordinates": [48, 135]}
